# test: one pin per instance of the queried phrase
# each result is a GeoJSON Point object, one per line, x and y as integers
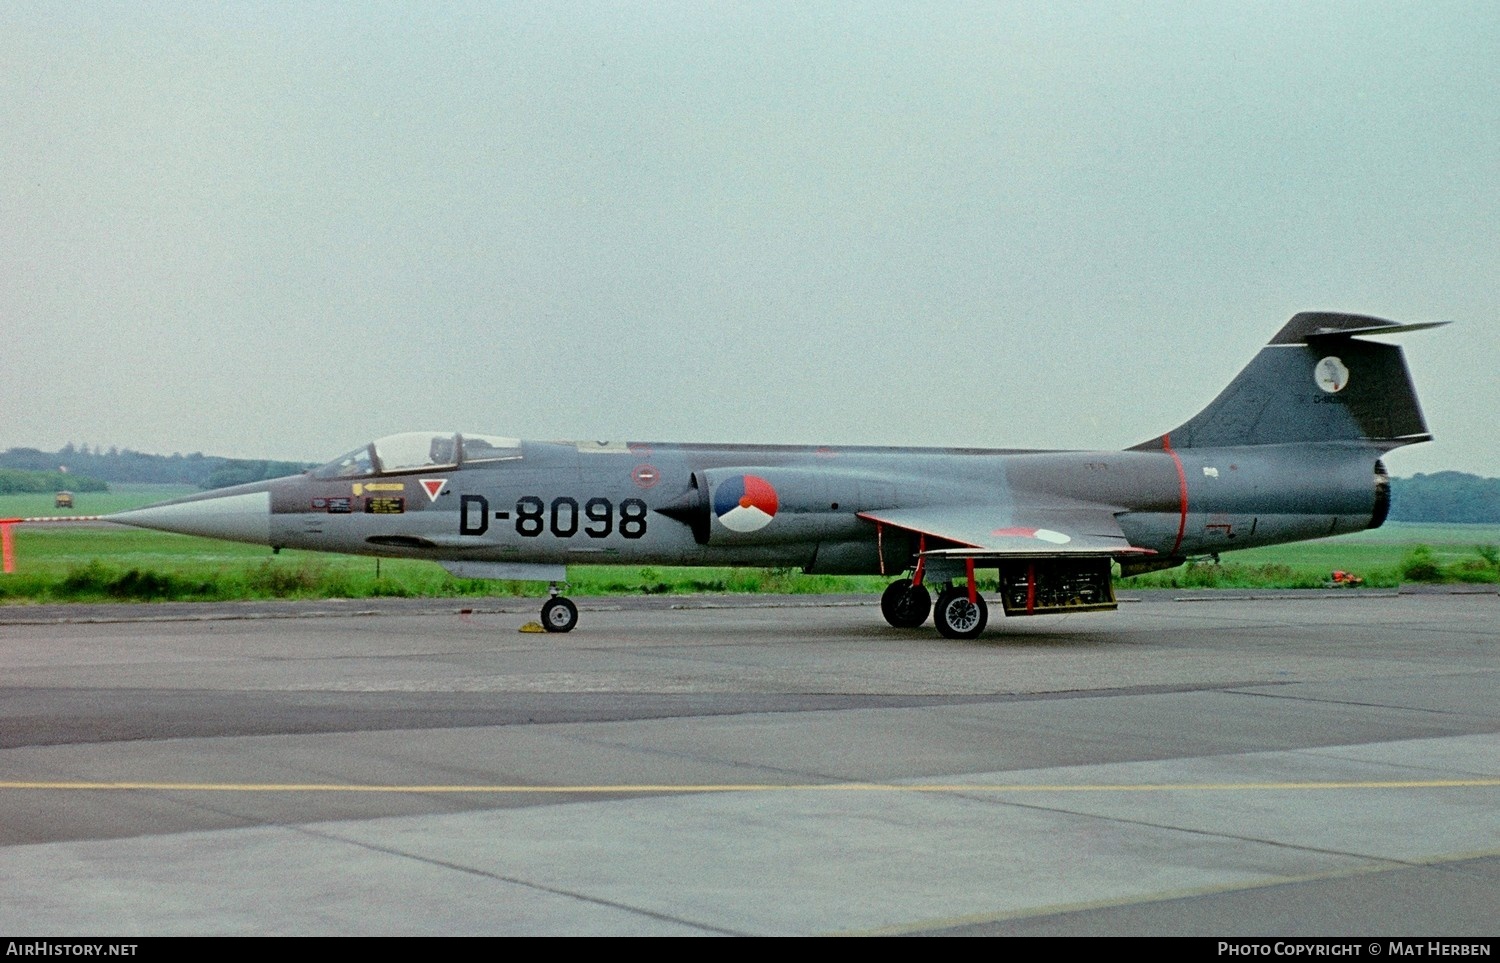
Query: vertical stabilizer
{"type": "Point", "coordinates": [1316, 380]}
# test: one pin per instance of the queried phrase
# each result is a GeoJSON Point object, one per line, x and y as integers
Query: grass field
{"type": "Point", "coordinates": [1385, 557]}
{"type": "Point", "coordinates": [66, 562]}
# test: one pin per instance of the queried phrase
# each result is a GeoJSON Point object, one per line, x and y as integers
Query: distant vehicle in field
{"type": "Point", "coordinates": [63, 500]}
{"type": "Point", "coordinates": [1290, 450]}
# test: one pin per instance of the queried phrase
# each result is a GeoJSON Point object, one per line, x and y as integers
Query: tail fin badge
{"type": "Point", "coordinates": [1331, 375]}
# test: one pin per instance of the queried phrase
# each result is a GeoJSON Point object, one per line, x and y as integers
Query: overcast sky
{"type": "Point", "coordinates": [279, 230]}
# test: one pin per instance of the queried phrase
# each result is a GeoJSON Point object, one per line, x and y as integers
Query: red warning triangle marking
{"type": "Point", "coordinates": [434, 486]}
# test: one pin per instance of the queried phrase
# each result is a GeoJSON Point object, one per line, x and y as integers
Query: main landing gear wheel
{"type": "Point", "coordinates": [957, 617]}
{"type": "Point", "coordinates": [559, 615]}
{"type": "Point", "coordinates": [905, 605]}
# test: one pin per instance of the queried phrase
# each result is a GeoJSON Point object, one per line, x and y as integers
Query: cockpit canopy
{"type": "Point", "coordinates": [420, 451]}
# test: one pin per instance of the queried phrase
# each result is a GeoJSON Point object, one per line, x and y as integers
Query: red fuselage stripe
{"type": "Point", "coordinates": [1166, 446]}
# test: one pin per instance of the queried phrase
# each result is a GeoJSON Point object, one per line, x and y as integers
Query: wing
{"type": "Point", "coordinates": [998, 532]}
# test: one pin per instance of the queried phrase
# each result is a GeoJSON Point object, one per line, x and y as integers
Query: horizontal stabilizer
{"type": "Point", "coordinates": [1310, 325]}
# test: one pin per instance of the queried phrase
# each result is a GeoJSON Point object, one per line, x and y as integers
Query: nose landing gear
{"type": "Point", "coordinates": [558, 614]}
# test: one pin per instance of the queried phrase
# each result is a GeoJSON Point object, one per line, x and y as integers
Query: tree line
{"type": "Point", "coordinates": [74, 462]}
{"type": "Point", "coordinates": [1445, 496]}
{"type": "Point", "coordinates": [17, 482]}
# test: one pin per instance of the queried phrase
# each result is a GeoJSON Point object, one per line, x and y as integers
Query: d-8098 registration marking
{"type": "Point", "coordinates": [564, 517]}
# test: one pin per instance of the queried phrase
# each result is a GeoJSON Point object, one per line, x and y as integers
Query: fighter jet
{"type": "Point", "coordinates": [1290, 450]}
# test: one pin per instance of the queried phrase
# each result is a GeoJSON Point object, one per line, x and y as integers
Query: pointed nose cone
{"type": "Point", "coordinates": [239, 515]}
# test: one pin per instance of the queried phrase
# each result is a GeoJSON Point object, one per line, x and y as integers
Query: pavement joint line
{"type": "Point", "coordinates": [1294, 598]}
{"type": "Point", "coordinates": [659, 788]}
{"type": "Point", "coordinates": [510, 880]}
{"type": "Point", "coordinates": [246, 616]}
{"type": "Point", "coordinates": [437, 607]}
{"type": "Point", "coordinates": [1164, 896]}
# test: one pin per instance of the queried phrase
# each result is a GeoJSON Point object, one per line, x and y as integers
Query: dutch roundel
{"type": "Point", "coordinates": [745, 503]}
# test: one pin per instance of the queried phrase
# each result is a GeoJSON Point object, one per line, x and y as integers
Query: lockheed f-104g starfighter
{"type": "Point", "coordinates": [1290, 450]}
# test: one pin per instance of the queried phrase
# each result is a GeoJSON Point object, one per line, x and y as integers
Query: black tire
{"type": "Point", "coordinates": [957, 617]}
{"type": "Point", "coordinates": [559, 615]}
{"type": "Point", "coordinates": [905, 605]}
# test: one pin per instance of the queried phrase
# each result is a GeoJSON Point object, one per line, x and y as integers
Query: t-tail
{"type": "Point", "coordinates": [1292, 448]}
{"type": "Point", "coordinates": [1317, 380]}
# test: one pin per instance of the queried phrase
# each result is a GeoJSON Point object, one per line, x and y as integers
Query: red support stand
{"type": "Point", "coordinates": [7, 544]}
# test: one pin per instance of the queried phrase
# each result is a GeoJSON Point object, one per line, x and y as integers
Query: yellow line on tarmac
{"type": "Point", "coordinates": [645, 788]}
